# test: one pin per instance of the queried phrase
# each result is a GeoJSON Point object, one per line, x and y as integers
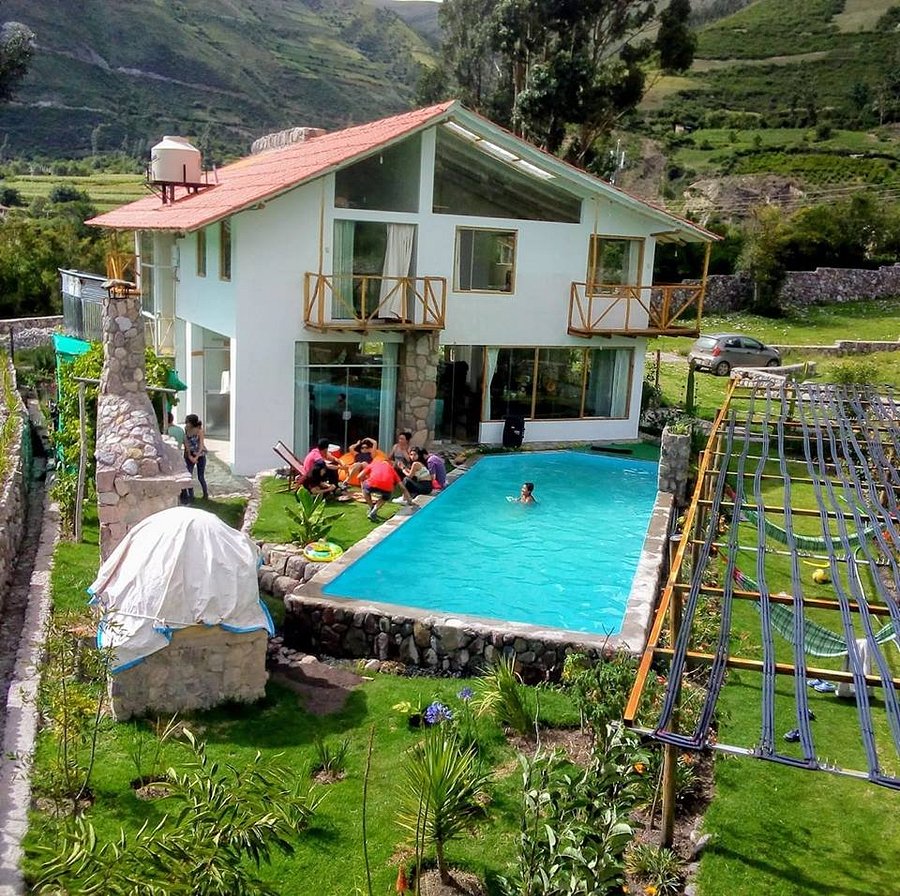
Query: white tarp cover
{"type": "Point", "coordinates": [177, 568]}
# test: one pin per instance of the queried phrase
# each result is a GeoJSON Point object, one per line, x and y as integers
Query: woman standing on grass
{"type": "Point", "coordinates": [195, 453]}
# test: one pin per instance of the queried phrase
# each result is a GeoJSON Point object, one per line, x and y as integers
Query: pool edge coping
{"type": "Point", "coordinates": [639, 608]}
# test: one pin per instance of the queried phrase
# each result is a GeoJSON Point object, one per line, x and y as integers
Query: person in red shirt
{"type": "Point", "coordinates": [378, 480]}
{"type": "Point", "coordinates": [319, 456]}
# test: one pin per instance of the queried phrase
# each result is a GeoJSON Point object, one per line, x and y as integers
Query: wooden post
{"type": "Point", "coordinates": [670, 752]}
{"type": "Point", "coordinates": [82, 461]}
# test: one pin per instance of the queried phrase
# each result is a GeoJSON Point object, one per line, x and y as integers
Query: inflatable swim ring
{"type": "Point", "coordinates": [322, 551]}
{"type": "Point", "coordinates": [347, 461]}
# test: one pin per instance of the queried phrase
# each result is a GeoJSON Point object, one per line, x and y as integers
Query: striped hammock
{"type": "Point", "coordinates": [817, 640]}
{"type": "Point", "coordinates": [803, 542]}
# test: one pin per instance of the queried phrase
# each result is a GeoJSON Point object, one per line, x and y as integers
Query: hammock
{"type": "Point", "coordinates": [817, 640]}
{"type": "Point", "coordinates": [804, 542]}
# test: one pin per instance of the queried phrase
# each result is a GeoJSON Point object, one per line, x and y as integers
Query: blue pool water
{"type": "Point", "coordinates": [566, 562]}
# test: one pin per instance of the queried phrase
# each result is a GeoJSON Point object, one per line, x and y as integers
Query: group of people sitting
{"type": "Point", "coordinates": [414, 470]}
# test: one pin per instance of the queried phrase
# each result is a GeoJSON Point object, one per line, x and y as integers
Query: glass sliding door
{"type": "Point", "coordinates": [344, 392]}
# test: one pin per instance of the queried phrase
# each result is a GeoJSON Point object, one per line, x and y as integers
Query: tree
{"type": "Point", "coordinates": [761, 258]}
{"type": "Point", "coordinates": [560, 72]}
{"type": "Point", "coordinates": [16, 48]}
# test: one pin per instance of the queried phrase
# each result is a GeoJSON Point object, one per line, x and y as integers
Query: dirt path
{"type": "Point", "coordinates": [16, 602]}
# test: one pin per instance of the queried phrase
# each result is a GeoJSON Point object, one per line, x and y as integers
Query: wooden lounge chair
{"type": "Point", "coordinates": [296, 473]}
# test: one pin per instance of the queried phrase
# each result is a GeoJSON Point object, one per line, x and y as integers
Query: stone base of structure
{"type": "Point", "coordinates": [201, 668]}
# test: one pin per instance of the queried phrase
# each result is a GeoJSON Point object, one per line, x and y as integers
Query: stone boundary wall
{"type": "Point", "coordinates": [823, 286]}
{"type": "Point", "coordinates": [17, 324]}
{"type": "Point", "coordinates": [842, 348]}
{"type": "Point", "coordinates": [13, 489]}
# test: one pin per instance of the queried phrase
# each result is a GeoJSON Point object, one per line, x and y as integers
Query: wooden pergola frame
{"type": "Point", "coordinates": [846, 442]}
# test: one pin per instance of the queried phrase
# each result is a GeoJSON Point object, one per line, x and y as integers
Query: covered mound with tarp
{"type": "Point", "coordinates": [177, 568]}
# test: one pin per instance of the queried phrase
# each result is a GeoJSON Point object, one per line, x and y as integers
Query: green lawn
{"type": "Point", "coordinates": [273, 523]}
{"type": "Point", "coordinates": [329, 857]}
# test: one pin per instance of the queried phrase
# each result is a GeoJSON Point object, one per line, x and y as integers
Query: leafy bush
{"type": "Point", "coordinates": [600, 688]}
{"type": "Point", "coordinates": [312, 516]}
{"type": "Point", "coordinates": [858, 370]}
{"type": "Point", "coordinates": [228, 824]}
{"type": "Point", "coordinates": [500, 693]}
{"type": "Point", "coordinates": [575, 822]}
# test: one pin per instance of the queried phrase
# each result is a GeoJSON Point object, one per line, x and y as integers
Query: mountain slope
{"type": "Point", "coordinates": [112, 74]}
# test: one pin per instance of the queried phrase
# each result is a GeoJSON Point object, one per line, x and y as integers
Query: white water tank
{"type": "Point", "coordinates": [175, 161]}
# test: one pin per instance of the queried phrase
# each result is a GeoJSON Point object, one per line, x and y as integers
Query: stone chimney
{"type": "Point", "coordinates": [138, 473]}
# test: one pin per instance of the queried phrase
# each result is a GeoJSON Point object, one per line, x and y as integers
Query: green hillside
{"type": "Point", "coordinates": [805, 89]}
{"type": "Point", "coordinates": [117, 74]}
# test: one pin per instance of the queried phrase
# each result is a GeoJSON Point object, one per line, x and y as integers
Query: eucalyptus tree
{"type": "Point", "coordinates": [560, 73]}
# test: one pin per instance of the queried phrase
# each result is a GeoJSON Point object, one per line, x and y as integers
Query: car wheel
{"type": "Point", "coordinates": [723, 368]}
{"type": "Point", "coordinates": [773, 362]}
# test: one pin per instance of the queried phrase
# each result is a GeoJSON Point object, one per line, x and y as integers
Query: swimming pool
{"type": "Point", "coordinates": [566, 562]}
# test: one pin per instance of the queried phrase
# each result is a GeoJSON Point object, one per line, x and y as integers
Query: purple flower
{"type": "Point", "coordinates": [465, 694]}
{"type": "Point", "coordinates": [437, 713]}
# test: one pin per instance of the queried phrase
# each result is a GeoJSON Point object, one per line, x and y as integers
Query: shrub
{"type": "Point", "coordinates": [500, 693]}
{"type": "Point", "coordinates": [574, 826]}
{"type": "Point", "coordinates": [331, 759]}
{"type": "Point", "coordinates": [858, 370]}
{"type": "Point", "coordinates": [656, 867]}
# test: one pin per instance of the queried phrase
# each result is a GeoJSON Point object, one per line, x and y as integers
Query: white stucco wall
{"type": "Point", "coordinates": [261, 308]}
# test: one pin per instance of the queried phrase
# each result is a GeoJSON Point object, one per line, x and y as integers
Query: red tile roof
{"type": "Point", "coordinates": [259, 177]}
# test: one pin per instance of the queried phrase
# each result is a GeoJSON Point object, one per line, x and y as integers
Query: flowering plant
{"type": "Point", "coordinates": [438, 712]}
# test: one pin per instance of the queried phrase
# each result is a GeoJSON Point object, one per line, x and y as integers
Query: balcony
{"type": "Point", "coordinates": [360, 302]}
{"type": "Point", "coordinates": [598, 309]}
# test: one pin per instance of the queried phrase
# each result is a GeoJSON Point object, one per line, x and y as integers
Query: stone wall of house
{"type": "Point", "coordinates": [417, 385]}
{"type": "Point", "coordinates": [14, 484]}
{"type": "Point", "coordinates": [823, 286]}
{"type": "Point", "coordinates": [201, 667]}
{"type": "Point", "coordinates": [138, 473]}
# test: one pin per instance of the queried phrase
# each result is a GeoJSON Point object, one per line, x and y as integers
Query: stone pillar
{"type": "Point", "coordinates": [674, 463]}
{"type": "Point", "coordinates": [137, 472]}
{"type": "Point", "coordinates": [417, 385]}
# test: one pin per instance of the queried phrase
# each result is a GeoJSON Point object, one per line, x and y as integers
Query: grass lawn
{"type": "Point", "coordinates": [273, 523]}
{"type": "Point", "coordinates": [328, 858]}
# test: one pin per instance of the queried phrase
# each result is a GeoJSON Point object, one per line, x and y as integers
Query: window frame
{"type": "Point", "coordinates": [596, 288]}
{"type": "Point", "coordinates": [225, 249]}
{"type": "Point", "coordinates": [457, 255]}
{"type": "Point", "coordinates": [201, 252]}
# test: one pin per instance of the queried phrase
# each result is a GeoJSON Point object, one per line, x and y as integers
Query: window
{"type": "Point", "coordinates": [387, 181]}
{"type": "Point", "coordinates": [613, 262]}
{"type": "Point", "coordinates": [225, 250]}
{"type": "Point", "coordinates": [201, 253]}
{"type": "Point", "coordinates": [469, 180]}
{"type": "Point", "coordinates": [485, 260]}
{"type": "Point", "coordinates": [148, 269]}
{"type": "Point", "coordinates": [559, 383]}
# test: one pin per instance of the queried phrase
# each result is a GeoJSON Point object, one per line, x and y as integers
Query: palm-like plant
{"type": "Point", "coordinates": [313, 518]}
{"type": "Point", "coordinates": [440, 797]}
{"type": "Point", "coordinates": [500, 693]}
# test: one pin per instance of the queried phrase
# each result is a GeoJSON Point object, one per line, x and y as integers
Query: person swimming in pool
{"type": "Point", "coordinates": [526, 495]}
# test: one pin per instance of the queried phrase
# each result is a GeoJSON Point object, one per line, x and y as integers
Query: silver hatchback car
{"type": "Point", "coordinates": [722, 351]}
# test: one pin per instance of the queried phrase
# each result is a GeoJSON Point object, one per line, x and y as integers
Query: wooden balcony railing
{"type": "Point", "coordinates": [661, 310]}
{"type": "Point", "coordinates": [363, 302]}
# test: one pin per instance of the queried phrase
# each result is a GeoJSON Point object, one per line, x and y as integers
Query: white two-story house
{"type": "Point", "coordinates": [428, 271]}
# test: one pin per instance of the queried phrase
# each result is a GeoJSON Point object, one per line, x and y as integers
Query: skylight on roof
{"type": "Point", "coordinates": [498, 151]}
{"type": "Point", "coordinates": [460, 131]}
{"type": "Point", "coordinates": [533, 169]}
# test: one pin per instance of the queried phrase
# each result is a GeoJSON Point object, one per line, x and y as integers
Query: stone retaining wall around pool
{"type": "Point", "coordinates": [320, 624]}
